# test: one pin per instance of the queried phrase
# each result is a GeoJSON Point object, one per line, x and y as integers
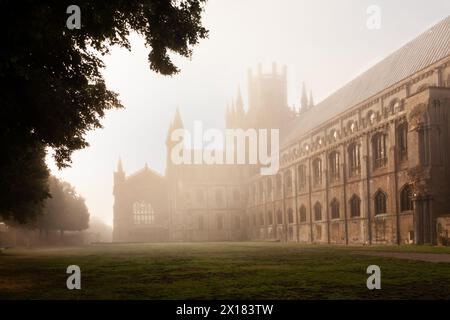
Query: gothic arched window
{"type": "Point", "coordinates": [354, 159]}
{"type": "Point", "coordinates": [406, 203]}
{"type": "Point", "coordinates": [317, 212]}
{"type": "Point", "coordinates": [334, 166]}
{"type": "Point", "coordinates": [355, 206]}
{"type": "Point", "coordinates": [393, 106]}
{"type": "Point", "coordinates": [301, 172]}
{"type": "Point", "coordinates": [402, 141]}
{"type": "Point", "coordinates": [371, 117]}
{"type": "Point", "coordinates": [351, 126]}
{"type": "Point", "coordinates": [396, 105]}
{"type": "Point", "coordinates": [335, 209]}
{"type": "Point", "coordinates": [317, 171]}
{"type": "Point", "coordinates": [302, 214]}
{"type": "Point", "coordinates": [143, 213]}
{"type": "Point", "coordinates": [290, 215]}
{"type": "Point", "coordinates": [334, 135]}
{"type": "Point", "coordinates": [380, 202]}
{"type": "Point", "coordinates": [379, 148]}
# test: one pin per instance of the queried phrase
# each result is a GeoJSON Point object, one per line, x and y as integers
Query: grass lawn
{"type": "Point", "coordinates": [219, 271]}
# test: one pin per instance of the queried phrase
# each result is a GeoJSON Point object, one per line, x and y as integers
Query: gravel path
{"type": "Point", "coordinates": [429, 257]}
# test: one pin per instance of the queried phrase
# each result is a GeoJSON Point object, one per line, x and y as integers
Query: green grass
{"type": "Point", "coordinates": [219, 271]}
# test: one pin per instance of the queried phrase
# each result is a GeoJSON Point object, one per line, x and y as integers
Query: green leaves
{"type": "Point", "coordinates": [53, 90]}
{"type": "Point", "coordinates": [54, 73]}
{"type": "Point", "coordinates": [65, 210]}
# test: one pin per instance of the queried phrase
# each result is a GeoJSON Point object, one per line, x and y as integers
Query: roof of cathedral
{"type": "Point", "coordinates": [428, 48]}
{"type": "Point", "coordinates": [144, 171]}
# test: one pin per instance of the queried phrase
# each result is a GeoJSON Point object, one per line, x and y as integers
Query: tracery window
{"type": "Point", "coordinates": [143, 213]}
{"type": "Point", "coordinates": [335, 209]}
{"type": "Point", "coordinates": [355, 206]}
{"type": "Point", "coordinates": [301, 172]}
{"type": "Point", "coordinates": [380, 203]}
{"type": "Point", "coordinates": [317, 212]}
{"type": "Point", "coordinates": [290, 215]}
{"type": "Point", "coordinates": [379, 148]}
{"type": "Point", "coordinates": [354, 159]}
{"type": "Point", "coordinates": [334, 166]}
{"type": "Point", "coordinates": [302, 213]}
{"type": "Point", "coordinates": [402, 141]}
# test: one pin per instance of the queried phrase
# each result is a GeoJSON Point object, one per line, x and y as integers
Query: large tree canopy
{"type": "Point", "coordinates": [53, 91]}
{"type": "Point", "coordinates": [23, 181]}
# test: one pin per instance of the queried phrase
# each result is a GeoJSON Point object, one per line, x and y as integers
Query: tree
{"type": "Point", "coordinates": [75, 217]}
{"type": "Point", "coordinates": [64, 211]}
{"type": "Point", "coordinates": [53, 91]}
{"type": "Point", "coordinates": [23, 181]}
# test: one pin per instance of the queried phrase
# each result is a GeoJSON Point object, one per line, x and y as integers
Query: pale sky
{"type": "Point", "coordinates": [324, 43]}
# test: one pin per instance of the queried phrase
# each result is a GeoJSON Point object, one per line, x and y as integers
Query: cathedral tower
{"type": "Point", "coordinates": [267, 98]}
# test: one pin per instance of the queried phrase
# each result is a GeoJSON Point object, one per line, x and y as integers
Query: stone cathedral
{"type": "Point", "coordinates": [370, 164]}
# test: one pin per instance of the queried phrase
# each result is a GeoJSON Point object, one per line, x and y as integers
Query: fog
{"type": "Point", "coordinates": [323, 43]}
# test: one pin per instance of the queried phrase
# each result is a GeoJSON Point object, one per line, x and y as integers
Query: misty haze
{"type": "Point", "coordinates": [223, 150]}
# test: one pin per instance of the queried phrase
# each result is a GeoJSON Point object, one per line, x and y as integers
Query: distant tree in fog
{"type": "Point", "coordinates": [99, 230]}
{"type": "Point", "coordinates": [64, 211]}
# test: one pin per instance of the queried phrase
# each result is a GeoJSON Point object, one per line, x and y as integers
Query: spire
{"type": "Point", "coordinates": [119, 176]}
{"type": "Point", "coordinates": [232, 113]}
{"type": "Point", "coordinates": [239, 103]}
{"type": "Point", "coordinates": [304, 99]}
{"type": "Point", "coordinates": [177, 121]}
{"type": "Point", "coordinates": [311, 100]}
{"type": "Point", "coordinates": [119, 165]}
{"type": "Point", "coordinates": [239, 112]}
{"type": "Point", "coordinates": [233, 116]}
